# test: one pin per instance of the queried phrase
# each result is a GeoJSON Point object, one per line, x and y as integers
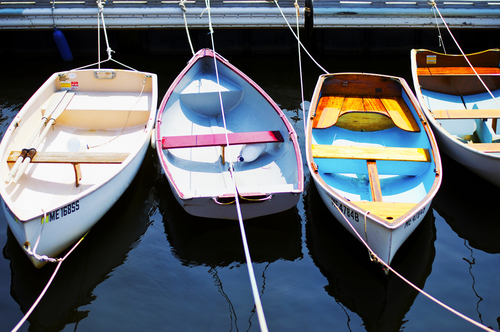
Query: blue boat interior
{"type": "Point", "coordinates": [401, 180]}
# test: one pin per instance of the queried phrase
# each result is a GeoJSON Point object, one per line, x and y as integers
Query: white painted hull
{"type": "Point", "coordinates": [483, 164]}
{"type": "Point", "coordinates": [208, 207]}
{"type": "Point", "coordinates": [454, 90]}
{"type": "Point", "coordinates": [384, 241]}
{"type": "Point", "coordinates": [45, 202]}
{"type": "Point", "coordinates": [198, 176]}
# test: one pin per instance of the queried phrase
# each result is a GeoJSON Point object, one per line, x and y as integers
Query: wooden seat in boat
{"type": "Point", "coordinates": [364, 113]}
{"type": "Point", "coordinates": [191, 141]}
{"type": "Point", "coordinates": [104, 110]}
{"type": "Point", "coordinates": [451, 71]}
{"type": "Point", "coordinates": [74, 158]}
{"type": "Point", "coordinates": [486, 147]}
{"type": "Point", "coordinates": [371, 154]}
{"type": "Point", "coordinates": [467, 114]}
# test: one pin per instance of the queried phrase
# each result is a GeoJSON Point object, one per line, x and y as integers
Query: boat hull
{"type": "Point", "coordinates": [211, 207]}
{"type": "Point", "coordinates": [74, 178]}
{"type": "Point", "coordinates": [384, 241]}
{"type": "Point", "coordinates": [485, 165]}
{"type": "Point", "coordinates": [70, 222]}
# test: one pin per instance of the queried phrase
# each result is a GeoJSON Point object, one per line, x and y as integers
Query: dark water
{"type": "Point", "coordinates": [147, 265]}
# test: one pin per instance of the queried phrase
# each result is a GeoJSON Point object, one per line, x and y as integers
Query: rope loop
{"type": "Point", "coordinates": [182, 4]}
{"type": "Point", "coordinates": [59, 261]}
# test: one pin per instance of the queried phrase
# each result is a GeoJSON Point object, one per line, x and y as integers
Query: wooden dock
{"type": "Point", "coordinates": [168, 14]}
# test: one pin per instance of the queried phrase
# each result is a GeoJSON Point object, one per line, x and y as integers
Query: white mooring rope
{"type": "Point", "coordinates": [440, 37]}
{"type": "Point", "coordinates": [377, 259]}
{"type": "Point", "coordinates": [182, 4]}
{"type": "Point", "coordinates": [100, 17]}
{"type": "Point", "coordinates": [298, 40]}
{"type": "Point", "coordinates": [434, 5]}
{"type": "Point", "coordinates": [373, 256]}
{"type": "Point", "coordinates": [300, 66]}
{"type": "Point", "coordinates": [59, 261]}
{"type": "Point", "coordinates": [251, 273]}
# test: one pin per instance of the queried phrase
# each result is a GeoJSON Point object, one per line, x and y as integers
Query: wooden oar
{"type": "Point", "coordinates": [55, 114]}
{"type": "Point", "coordinates": [51, 107]}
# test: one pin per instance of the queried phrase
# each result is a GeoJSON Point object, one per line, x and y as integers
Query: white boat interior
{"type": "Point", "coordinates": [101, 125]}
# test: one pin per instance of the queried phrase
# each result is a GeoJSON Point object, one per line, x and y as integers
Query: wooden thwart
{"type": "Point", "coordinates": [74, 158]}
{"type": "Point", "coordinates": [331, 108]}
{"type": "Point", "coordinates": [370, 153]}
{"type": "Point", "coordinates": [450, 71]}
{"type": "Point", "coordinates": [486, 147]}
{"type": "Point", "coordinates": [467, 114]}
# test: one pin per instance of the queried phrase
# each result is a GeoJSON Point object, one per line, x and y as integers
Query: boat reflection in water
{"type": "Point", "coordinates": [358, 284]}
{"type": "Point", "coordinates": [471, 220]}
{"type": "Point", "coordinates": [103, 249]}
{"type": "Point", "coordinates": [217, 243]}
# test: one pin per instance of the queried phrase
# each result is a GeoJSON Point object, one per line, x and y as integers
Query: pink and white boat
{"type": "Point", "coordinates": [215, 123]}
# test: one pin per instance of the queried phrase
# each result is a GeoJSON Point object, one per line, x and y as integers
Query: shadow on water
{"type": "Point", "coordinates": [356, 283]}
{"type": "Point", "coordinates": [104, 249]}
{"type": "Point", "coordinates": [464, 201]}
{"type": "Point", "coordinates": [217, 243]}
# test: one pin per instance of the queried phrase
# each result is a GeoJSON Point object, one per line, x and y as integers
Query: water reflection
{"type": "Point", "coordinates": [465, 202]}
{"type": "Point", "coordinates": [358, 284]}
{"type": "Point", "coordinates": [217, 243]}
{"type": "Point", "coordinates": [105, 248]}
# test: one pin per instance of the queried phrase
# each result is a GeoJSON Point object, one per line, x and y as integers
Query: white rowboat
{"type": "Point", "coordinates": [192, 143]}
{"type": "Point", "coordinates": [90, 129]}
{"type": "Point", "coordinates": [372, 157]}
{"type": "Point", "coordinates": [462, 113]}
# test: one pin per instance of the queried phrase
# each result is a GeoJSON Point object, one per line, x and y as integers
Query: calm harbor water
{"type": "Point", "coordinates": [147, 265]}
